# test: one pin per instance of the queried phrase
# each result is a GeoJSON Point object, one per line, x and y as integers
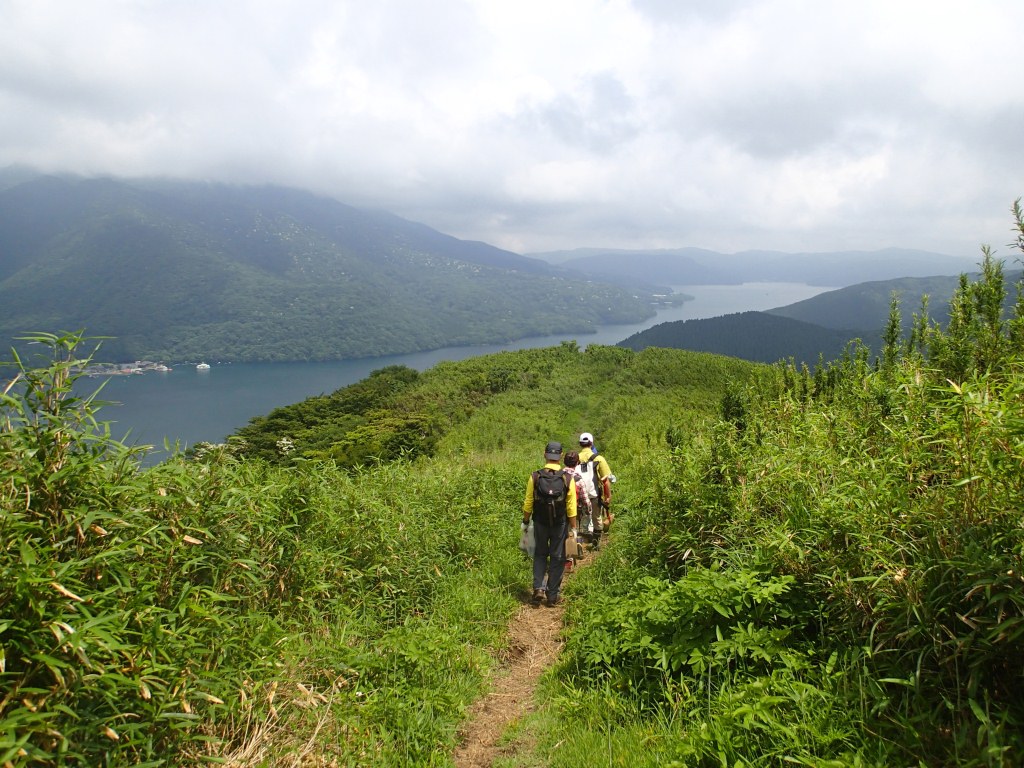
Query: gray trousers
{"type": "Point", "coordinates": [549, 554]}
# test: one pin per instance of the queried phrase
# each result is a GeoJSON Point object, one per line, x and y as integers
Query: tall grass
{"type": "Point", "coordinates": [829, 575]}
{"type": "Point", "coordinates": [184, 613]}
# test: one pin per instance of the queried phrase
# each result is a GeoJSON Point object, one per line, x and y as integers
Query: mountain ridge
{"type": "Point", "coordinates": [755, 336]}
{"type": "Point", "coordinates": [187, 270]}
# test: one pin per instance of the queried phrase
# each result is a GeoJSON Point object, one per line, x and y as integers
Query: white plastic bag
{"type": "Point", "coordinates": [573, 548]}
{"type": "Point", "coordinates": [527, 543]}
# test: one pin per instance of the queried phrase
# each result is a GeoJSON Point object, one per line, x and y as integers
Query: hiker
{"type": "Point", "coordinates": [553, 509]}
{"type": "Point", "coordinates": [584, 493]}
{"type": "Point", "coordinates": [595, 467]}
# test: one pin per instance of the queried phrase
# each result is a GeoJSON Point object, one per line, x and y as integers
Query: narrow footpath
{"type": "Point", "coordinates": [534, 642]}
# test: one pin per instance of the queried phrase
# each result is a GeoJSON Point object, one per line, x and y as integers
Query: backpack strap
{"type": "Point", "coordinates": [591, 460]}
{"type": "Point", "coordinates": [536, 474]}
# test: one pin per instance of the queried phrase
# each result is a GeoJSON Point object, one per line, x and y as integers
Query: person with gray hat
{"type": "Point", "coordinates": [551, 503]}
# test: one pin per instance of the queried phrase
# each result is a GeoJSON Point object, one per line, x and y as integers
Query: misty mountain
{"type": "Point", "coordinates": [698, 266]}
{"type": "Point", "coordinates": [189, 271]}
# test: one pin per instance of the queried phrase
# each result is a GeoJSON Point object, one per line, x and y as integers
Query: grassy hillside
{"type": "Point", "coordinates": [175, 271]}
{"type": "Point", "coordinates": [828, 576]}
{"type": "Point", "coordinates": [222, 606]}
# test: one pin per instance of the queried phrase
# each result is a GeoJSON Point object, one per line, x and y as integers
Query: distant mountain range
{"type": "Point", "coordinates": [698, 266]}
{"type": "Point", "coordinates": [191, 271]}
{"type": "Point", "coordinates": [821, 326]}
{"type": "Point", "coordinates": [182, 271]}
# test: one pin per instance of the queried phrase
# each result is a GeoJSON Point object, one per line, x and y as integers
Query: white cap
{"type": "Point", "coordinates": [586, 438]}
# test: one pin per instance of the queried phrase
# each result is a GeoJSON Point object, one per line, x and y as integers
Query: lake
{"type": "Point", "coordinates": [188, 406]}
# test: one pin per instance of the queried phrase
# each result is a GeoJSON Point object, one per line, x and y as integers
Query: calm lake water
{"type": "Point", "coordinates": [189, 406]}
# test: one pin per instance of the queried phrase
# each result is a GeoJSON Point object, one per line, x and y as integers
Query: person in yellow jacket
{"type": "Point", "coordinates": [551, 503]}
{"type": "Point", "coordinates": [595, 465]}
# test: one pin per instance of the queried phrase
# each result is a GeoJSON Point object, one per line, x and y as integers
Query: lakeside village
{"type": "Point", "coordinates": [129, 369]}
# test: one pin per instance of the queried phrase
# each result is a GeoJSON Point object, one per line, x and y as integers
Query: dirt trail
{"type": "Point", "coordinates": [534, 641]}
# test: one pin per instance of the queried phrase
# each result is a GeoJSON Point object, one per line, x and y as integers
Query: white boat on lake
{"type": "Point", "coordinates": [203, 367]}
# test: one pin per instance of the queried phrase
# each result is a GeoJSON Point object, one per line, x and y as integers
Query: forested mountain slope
{"type": "Point", "coordinates": [817, 328]}
{"type": "Point", "coordinates": [757, 336]}
{"type": "Point", "coordinates": [188, 271]}
{"type": "Point", "coordinates": [865, 306]}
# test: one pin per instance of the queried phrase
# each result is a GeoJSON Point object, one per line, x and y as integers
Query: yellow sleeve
{"type": "Point", "coordinates": [528, 501]}
{"type": "Point", "coordinates": [570, 499]}
{"type": "Point", "coordinates": [604, 489]}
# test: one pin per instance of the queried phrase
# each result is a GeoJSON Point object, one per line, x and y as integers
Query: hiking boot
{"type": "Point", "coordinates": [538, 596]}
{"type": "Point", "coordinates": [553, 601]}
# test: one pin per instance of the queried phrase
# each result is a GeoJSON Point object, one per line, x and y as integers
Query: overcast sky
{"type": "Point", "coordinates": [793, 125]}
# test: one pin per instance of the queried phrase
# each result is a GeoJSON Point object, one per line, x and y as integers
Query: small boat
{"type": "Point", "coordinates": [203, 367]}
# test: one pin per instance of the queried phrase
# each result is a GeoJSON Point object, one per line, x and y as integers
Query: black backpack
{"type": "Point", "coordinates": [549, 492]}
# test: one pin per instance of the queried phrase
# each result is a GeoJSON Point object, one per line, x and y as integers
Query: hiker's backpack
{"type": "Point", "coordinates": [583, 502]}
{"type": "Point", "coordinates": [549, 489]}
{"type": "Point", "coordinates": [588, 469]}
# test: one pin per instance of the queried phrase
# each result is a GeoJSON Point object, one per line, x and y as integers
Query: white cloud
{"type": "Point", "coordinates": [788, 124]}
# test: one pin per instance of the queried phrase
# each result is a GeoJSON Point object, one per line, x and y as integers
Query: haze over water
{"type": "Point", "coordinates": [190, 406]}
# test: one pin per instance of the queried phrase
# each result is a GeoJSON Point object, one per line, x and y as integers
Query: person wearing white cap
{"type": "Point", "coordinates": [595, 466]}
